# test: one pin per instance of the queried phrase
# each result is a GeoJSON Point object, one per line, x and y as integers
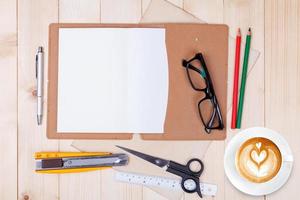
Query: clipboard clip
{"type": "Point", "coordinates": [71, 162]}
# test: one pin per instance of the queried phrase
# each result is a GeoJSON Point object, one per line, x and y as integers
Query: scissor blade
{"type": "Point", "coordinates": [154, 160]}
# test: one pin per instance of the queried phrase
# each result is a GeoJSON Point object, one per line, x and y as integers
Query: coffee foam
{"type": "Point", "coordinates": [258, 160]}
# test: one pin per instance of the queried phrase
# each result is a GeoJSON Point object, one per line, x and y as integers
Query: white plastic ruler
{"type": "Point", "coordinates": [161, 182]}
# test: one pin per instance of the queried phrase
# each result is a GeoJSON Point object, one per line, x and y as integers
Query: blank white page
{"type": "Point", "coordinates": [112, 80]}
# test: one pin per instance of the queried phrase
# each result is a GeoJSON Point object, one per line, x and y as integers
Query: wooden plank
{"type": "Point", "coordinates": [208, 11]}
{"type": "Point", "coordinates": [79, 185]}
{"type": "Point", "coordinates": [245, 14]}
{"type": "Point", "coordinates": [178, 3]}
{"type": "Point", "coordinates": [120, 11]}
{"type": "Point", "coordinates": [33, 19]}
{"type": "Point", "coordinates": [8, 100]}
{"type": "Point", "coordinates": [282, 47]}
{"type": "Point", "coordinates": [76, 11]}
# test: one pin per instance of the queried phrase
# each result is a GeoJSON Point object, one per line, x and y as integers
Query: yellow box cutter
{"type": "Point", "coordinates": [71, 162]}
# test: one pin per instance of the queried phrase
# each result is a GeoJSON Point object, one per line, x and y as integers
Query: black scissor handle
{"type": "Point", "coordinates": [190, 182]}
{"type": "Point", "coordinates": [198, 165]}
{"type": "Point", "coordinates": [191, 185]}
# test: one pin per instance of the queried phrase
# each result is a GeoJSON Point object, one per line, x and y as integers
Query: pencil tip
{"type": "Point", "coordinates": [239, 31]}
{"type": "Point", "coordinates": [249, 31]}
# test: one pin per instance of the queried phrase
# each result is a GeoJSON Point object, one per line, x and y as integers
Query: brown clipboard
{"type": "Point", "coordinates": [182, 120]}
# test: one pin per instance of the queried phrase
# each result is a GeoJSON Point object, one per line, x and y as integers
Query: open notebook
{"type": "Point", "coordinates": [112, 80]}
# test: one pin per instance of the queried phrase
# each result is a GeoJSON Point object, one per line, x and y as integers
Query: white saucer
{"type": "Point", "coordinates": [258, 189]}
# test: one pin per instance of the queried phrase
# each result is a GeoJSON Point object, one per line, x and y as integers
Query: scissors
{"type": "Point", "coordinates": [189, 173]}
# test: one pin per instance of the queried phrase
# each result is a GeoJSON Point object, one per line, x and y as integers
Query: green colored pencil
{"type": "Point", "coordinates": [243, 81]}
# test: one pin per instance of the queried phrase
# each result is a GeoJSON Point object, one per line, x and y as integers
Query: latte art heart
{"type": "Point", "coordinates": [258, 171]}
{"type": "Point", "coordinates": [258, 145]}
{"type": "Point", "coordinates": [258, 157]}
{"type": "Point", "coordinates": [258, 160]}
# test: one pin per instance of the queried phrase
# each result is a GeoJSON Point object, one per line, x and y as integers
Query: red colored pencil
{"type": "Point", "coordinates": [236, 79]}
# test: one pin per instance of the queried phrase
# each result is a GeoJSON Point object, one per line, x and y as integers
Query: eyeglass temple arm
{"type": "Point", "coordinates": [217, 112]}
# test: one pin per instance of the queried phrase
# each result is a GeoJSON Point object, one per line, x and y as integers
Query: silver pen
{"type": "Point", "coordinates": [39, 62]}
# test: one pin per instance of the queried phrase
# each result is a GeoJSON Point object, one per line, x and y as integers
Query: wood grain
{"type": "Point", "coordinates": [282, 62]}
{"type": "Point", "coordinates": [33, 19]}
{"type": "Point", "coordinates": [177, 3]}
{"type": "Point", "coordinates": [120, 11]}
{"type": "Point", "coordinates": [208, 11]}
{"type": "Point", "coordinates": [8, 100]}
{"type": "Point", "coordinates": [245, 14]}
{"type": "Point", "coordinates": [78, 11]}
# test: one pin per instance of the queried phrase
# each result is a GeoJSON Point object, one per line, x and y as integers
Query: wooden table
{"type": "Point", "coordinates": [272, 97]}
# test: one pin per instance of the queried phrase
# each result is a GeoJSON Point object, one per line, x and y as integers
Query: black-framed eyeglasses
{"type": "Point", "coordinates": [208, 106]}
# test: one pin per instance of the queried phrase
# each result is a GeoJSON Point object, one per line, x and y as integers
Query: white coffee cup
{"type": "Point", "coordinates": [242, 183]}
